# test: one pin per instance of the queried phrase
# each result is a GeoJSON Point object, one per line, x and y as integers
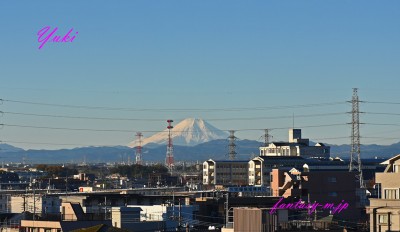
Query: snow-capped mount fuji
{"type": "Point", "coordinates": [189, 132]}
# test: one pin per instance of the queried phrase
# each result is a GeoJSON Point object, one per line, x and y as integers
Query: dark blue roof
{"type": "Point", "coordinates": [230, 161]}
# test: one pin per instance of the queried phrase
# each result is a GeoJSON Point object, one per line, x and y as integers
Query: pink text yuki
{"type": "Point", "coordinates": [47, 35]}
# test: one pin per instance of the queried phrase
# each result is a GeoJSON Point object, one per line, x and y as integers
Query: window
{"type": "Point", "coordinates": [332, 179]}
{"type": "Point", "coordinates": [383, 218]}
{"type": "Point", "coordinates": [333, 194]}
{"type": "Point", "coordinates": [391, 194]}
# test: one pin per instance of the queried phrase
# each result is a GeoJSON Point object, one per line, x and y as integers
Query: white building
{"type": "Point", "coordinates": [172, 215]}
{"type": "Point", "coordinates": [296, 146]}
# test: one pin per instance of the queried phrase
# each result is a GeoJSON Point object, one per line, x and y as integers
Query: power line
{"type": "Point", "coordinates": [71, 129]}
{"type": "Point", "coordinates": [59, 144]}
{"type": "Point", "coordinates": [381, 102]}
{"type": "Point", "coordinates": [147, 119]}
{"type": "Point", "coordinates": [172, 109]}
{"type": "Point", "coordinates": [372, 137]}
{"type": "Point", "coordinates": [154, 131]}
{"type": "Point", "coordinates": [331, 138]}
{"type": "Point", "coordinates": [382, 124]}
{"type": "Point", "coordinates": [79, 117]}
{"type": "Point", "coordinates": [376, 113]}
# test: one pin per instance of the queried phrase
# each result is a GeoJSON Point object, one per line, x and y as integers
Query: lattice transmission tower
{"type": "Point", "coordinates": [232, 145]}
{"type": "Point", "coordinates": [138, 154]}
{"type": "Point", "coordinates": [355, 153]}
{"type": "Point", "coordinates": [169, 160]}
{"type": "Point", "coordinates": [266, 137]}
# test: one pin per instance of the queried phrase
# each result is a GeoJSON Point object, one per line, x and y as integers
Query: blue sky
{"type": "Point", "coordinates": [202, 55]}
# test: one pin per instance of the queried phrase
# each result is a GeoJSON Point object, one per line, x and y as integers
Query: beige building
{"type": "Point", "coordinates": [38, 203]}
{"type": "Point", "coordinates": [225, 172]}
{"type": "Point", "coordinates": [246, 219]}
{"type": "Point", "coordinates": [384, 211]}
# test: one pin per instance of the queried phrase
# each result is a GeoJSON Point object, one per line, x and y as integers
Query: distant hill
{"type": "Point", "coordinates": [367, 151]}
{"type": "Point", "coordinates": [8, 148]}
{"type": "Point", "coordinates": [215, 149]}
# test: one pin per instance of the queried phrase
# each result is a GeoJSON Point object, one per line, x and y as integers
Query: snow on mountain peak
{"type": "Point", "coordinates": [189, 132]}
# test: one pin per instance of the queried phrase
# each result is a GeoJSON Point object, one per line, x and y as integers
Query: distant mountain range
{"type": "Point", "coordinates": [193, 139]}
{"type": "Point", "coordinates": [216, 149]}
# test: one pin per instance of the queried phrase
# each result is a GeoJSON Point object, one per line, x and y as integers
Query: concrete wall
{"type": "Point", "coordinates": [17, 203]}
{"type": "Point", "coordinates": [255, 219]}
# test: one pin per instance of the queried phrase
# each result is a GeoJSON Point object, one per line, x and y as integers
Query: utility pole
{"type": "Point", "coordinates": [227, 210]}
{"type": "Point", "coordinates": [105, 207]}
{"type": "Point", "coordinates": [355, 153]}
{"type": "Point", "coordinates": [180, 217]}
{"type": "Point", "coordinates": [34, 200]}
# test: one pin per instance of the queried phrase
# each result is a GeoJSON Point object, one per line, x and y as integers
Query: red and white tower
{"type": "Point", "coordinates": [169, 160]}
{"type": "Point", "coordinates": [139, 136]}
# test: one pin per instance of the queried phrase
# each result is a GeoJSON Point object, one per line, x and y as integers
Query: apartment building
{"type": "Point", "coordinates": [384, 211]}
{"type": "Point", "coordinates": [225, 172]}
{"type": "Point", "coordinates": [259, 168]}
{"type": "Point", "coordinates": [338, 186]}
